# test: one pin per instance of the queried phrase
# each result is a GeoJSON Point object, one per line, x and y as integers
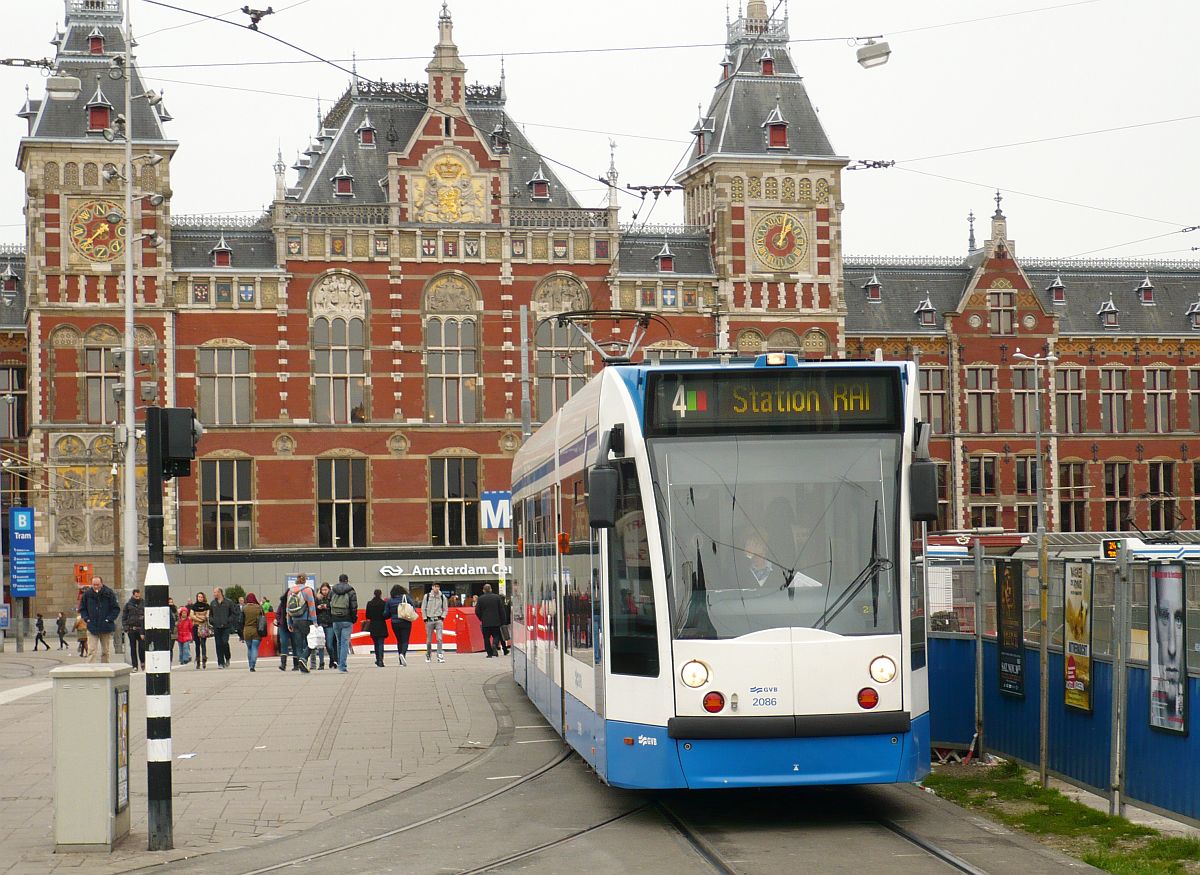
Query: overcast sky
{"type": "Point", "coordinates": [952, 86]}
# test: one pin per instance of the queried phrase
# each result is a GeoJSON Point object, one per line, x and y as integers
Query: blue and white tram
{"type": "Point", "coordinates": [712, 580]}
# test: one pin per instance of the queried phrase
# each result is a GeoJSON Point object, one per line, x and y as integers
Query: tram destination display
{"type": "Point", "coordinates": [770, 399]}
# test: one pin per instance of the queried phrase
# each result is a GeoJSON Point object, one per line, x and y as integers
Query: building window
{"type": "Point", "coordinates": [1158, 400]}
{"type": "Point", "coordinates": [1118, 497]}
{"type": "Point", "coordinates": [452, 380]}
{"type": "Point", "coordinates": [341, 503]}
{"type": "Point", "coordinates": [1027, 475]}
{"type": "Point", "coordinates": [223, 386]}
{"type": "Point", "coordinates": [655, 354]}
{"type": "Point", "coordinates": [1002, 312]}
{"type": "Point", "coordinates": [1194, 401]}
{"type": "Point", "coordinates": [1114, 401]}
{"type": "Point", "coordinates": [932, 385]}
{"type": "Point", "coordinates": [981, 388]}
{"type": "Point", "coordinates": [562, 367]}
{"type": "Point", "coordinates": [982, 475]}
{"type": "Point", "coordinates": [1162, 496]}
{"type": "Point", "coordinates": [1027, 518]}
{"type": "Point", "coordinates": [985, 516]}
{"type": "Point", "coordinates": [1068, 383]}
{"type": "Point", "coordinates": [14, 399]}
{"type": "Point", "coordinates": [102, 379]}
{"type": "Point", "coordinates": [1195, 492]}
{"type": "Point", "coordinates": [1072, 497]}
{"type": "Point", "coordinates": [943, 491]}
{"type": "Point", "coordinates": [226, 504]}
{"type": "Point", "coordinates": [777, 136]}
{"type": "Point", "coordinates": [454, 502]}
{"type": "Point", "coordinates": [1025, 400]}
{"type": "Point", "coordinates": [339, 370]}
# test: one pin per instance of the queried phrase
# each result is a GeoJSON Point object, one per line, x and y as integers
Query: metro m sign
{"type": "Point", "coordinates": [497, 510]}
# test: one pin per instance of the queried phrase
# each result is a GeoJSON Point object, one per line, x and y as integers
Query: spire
{"type": "Point", "coordinates": [447, 72]}
{"type": "Point", "coordinates": [999, 226]}
{"type": "Point", "coordinates": [503, 88]}
{"type": "Point", "coordinates": [998, 214]}
{"type": "Point", "coordinates": [354, 73]}
{"type": "Point", "coordinates": [971, 236]}
{"type": "Point", "coordinates": [612, 175]}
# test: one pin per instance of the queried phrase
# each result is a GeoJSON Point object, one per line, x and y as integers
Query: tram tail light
{"type": "Point", "coordinates": [868, 698]}
{"type": "Point", "coordinates": [713, 702]}
{"type": "Point", "coordinates": [564, 543]}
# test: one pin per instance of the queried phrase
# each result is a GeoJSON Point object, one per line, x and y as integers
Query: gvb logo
{"type": "Point", "coordinates": [647, 741]}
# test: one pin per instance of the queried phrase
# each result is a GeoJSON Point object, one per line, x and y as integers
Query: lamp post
{"type": "Point", "coordinates": [1043, 576]}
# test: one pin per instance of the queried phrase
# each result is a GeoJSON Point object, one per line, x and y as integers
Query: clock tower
{"type": "Point", "coordinates": [766, 183]}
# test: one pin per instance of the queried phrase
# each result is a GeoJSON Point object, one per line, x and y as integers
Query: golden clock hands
{"type": "Point", "coordinates": [784, 230]}
{"type": "Point", "coordinates": [103, 227]}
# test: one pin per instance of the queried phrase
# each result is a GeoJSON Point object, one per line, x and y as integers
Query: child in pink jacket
{"type": "Point", "coordinates": [184, 634]}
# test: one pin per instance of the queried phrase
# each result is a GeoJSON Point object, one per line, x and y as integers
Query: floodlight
{"type": "Point", "coordinates": [874, 54]}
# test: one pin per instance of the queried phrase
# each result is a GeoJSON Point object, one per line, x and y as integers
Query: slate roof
{"type": "Point", "coordinates": [902, 289]}
{"type": "Point", "coordinates": [12, 315]}
{"type": "Point", "coordinates": [1176, 287]}
{"type": "Point", "coordinates": [693, 257]}
{"type": "Point", "coordinates": [253, 248]}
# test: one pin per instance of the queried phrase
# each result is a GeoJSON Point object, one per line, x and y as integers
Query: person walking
{"type": "Point", "coordinates": [266, 605]}
{"type": "Point", "coordinates": [376, 624]}
{"type": "Point", "coordinates": [300, 612]}
{"type": "Point", "coordinates": [185, 634]}
{"type": "Point", "coordinates": [40, 638]}
{"type": "Point", "coordinates": [173, 620]}
{"type": "Point", "coordinates": [400, 612]}
{"type": "Point", "coordinates": [239, 619]}
{"type": "Point", "coordinates": [433, 609]}
{"type": "Point", "coordinates": [81, 634]}
{"type": "Point", "coordinates": [221, 616]}
{"type": "Point", "coordinates": [252, 617]}
{"type": "Point", "coordinates": [61, 628]}
{"type": "Point", "coordinates": [201, 613]}
{"type": "Point", "coordinates": [133, 618]}
{"type": "Point", "coordinates": [325, 622]}
{"type": "Point", "coordinates": [99, 609]}
{"type": "Point", "coordinates": [316, 647]}
{"type": "Point", "coordinates": [343, 610]}
{"type": "Point", "coordinates": [490, 611]}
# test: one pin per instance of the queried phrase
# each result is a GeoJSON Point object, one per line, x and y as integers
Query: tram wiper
{"type": "Point", "coordinates": [870, 572]}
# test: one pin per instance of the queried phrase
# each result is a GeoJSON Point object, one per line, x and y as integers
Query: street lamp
{"type": "Point", "coordinates": [1043, 573]}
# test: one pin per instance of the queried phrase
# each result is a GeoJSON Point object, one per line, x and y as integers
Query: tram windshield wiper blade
{"type": "Point", "coordinates": [869, 572]}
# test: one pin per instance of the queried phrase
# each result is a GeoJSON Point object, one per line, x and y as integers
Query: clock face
{"type": "Point", "coordinates": [780, 241]}
{"type": "Point", "coordinates": [93, 235]}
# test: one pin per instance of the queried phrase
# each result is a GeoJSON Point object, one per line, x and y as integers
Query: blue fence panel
{"type": "Point", "coordinates": [1010, 725]}
{"type": "Point", "coordinates": [1161, 768]}
{"type": "Point", "coordinates": [1080, 743]}
{"type": "Point", "coordinates": [952, 690]}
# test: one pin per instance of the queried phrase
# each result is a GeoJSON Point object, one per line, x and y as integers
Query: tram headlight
{"type": "Point", "coordinates": [882, 669]}
{"type": "Point", "coordinates": [694, 673]}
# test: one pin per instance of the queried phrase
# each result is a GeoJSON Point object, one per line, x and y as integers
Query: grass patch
{"type": "Point", "coordinates": [1109, 843]}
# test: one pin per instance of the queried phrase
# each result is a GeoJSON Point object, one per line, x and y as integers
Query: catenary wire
{"type": "Point", "coordinates": [220, 15]}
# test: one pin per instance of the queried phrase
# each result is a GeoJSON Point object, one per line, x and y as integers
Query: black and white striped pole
{"type": "Point", "coordinates": [171, 436]}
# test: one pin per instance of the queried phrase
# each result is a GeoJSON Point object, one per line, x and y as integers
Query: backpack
{"type": "Point", "coordinates": [296, 604]}
{"type": "Point", "coordinates": [339, 605]}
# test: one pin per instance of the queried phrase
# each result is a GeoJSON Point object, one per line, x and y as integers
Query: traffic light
{"type": "Point", "coordinates": [172, 434]}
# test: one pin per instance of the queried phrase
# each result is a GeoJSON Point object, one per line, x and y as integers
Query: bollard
{"type": "Point", "coordinates": [90, 756]}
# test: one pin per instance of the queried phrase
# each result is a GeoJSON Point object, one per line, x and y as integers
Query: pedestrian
{"type": "Point", "coordinates": [506, 626]}
{"type": "Point", "coordinates": [81, 634]}
{"type": "Point", "coordinates": [343, 609]}
{"type": "Point", "coordinates": [490, 611]}
{"type": "Point", "coordinates": [185, 633]}
{"type": "Point", "coordinates": [201, 613]}
{"type": "Point", "coordinates": [266, 605]}
{"type": "Point", "coordinates": [325, 622]}
{"type": "Point", "coordinates": [254, 625]}
{"type": "Point", "coordinates": [221, 616]}
{"type": "Point", "coordinates": [316, 647]}
{"type": "Point", "coordinates": [400, 611]}
{"type": "Point", "coordinates": [239, 617]}
{"type": "Point", "coordinates": [300, 612]}
{"type": "Point", "coordinates": [61, 629]}
{"type": "Point", "coordinates": [99, 609]}
{"type": "Point", "coordinates": [40, 638]}
{"type": "Point", "coordinates": [283, 638]}
{"type": "Point", "coordinates": [133, 618]}
{"type": "Point", "coordinates": [376, 624]}
{"type": "Point", "coordinates": [433, 610]}
{"type": "Point", "coordinates": [173, 618]}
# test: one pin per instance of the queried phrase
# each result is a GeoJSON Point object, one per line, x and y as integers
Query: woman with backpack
{"type": "Point", "coordinates": [201, 628]}
{"type": "Point", "coordinates": [325, 622]}
{"type": "Point", "coordinates": [254, 626]}
{"type": "Point", "coordinates": [401, 612]}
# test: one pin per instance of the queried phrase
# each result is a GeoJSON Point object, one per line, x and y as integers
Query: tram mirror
{"type": "Point", "coordinates": [602, 497]}
{"type": "Point", "coordinates": [922, 491]}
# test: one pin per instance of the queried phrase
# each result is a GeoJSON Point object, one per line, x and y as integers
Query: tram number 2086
{"type": "Point", "coordinates": [762, 702]}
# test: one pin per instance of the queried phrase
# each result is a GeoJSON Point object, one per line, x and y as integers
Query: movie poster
{"type": "Point", "coordinates": [1168, 648]}
{"type": "Point", "coordinates": [1077, 635]}
{"type": "Point", "coordinates": [1010, 626]}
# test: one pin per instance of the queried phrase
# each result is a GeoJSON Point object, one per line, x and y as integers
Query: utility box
{"type": "Point", "coordinates": [91, 756]}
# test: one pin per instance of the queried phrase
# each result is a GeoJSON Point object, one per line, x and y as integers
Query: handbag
{"type": "Point", "coordinates": [405, 611]}
{"type": "Point", "coordinates": [204, 631]}
{"type": "Point", "coordinates": [262, 625]}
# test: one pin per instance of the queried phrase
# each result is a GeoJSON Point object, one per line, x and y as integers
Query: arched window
{"type": "Point", "coordinates": [452, 371]}
{"type": "Point", "coordinates": [339, 370]}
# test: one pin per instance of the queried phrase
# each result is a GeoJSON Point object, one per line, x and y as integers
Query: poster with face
{"type": "Point", "coordinates": [1168, 648]}
{"type": "Point", "coordinates": [1010, 626]}
{"type": "Point", "coordinates": [1077, 639]}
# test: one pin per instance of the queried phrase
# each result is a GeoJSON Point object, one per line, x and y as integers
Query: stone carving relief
{"type": "Point", "coordinates": [510, 441]}
{"type": "Point", "coordinates": [269, 292]}
{"type": "Point", "coordinates": [285, 445]}
{"type": "Point", "coordinates": [805, 190]}
{"type": "Point", "coordinates": [68, 446]}
{"type": "Point", "coordinates": [50, 176]}
{"type": "Point", "coordinates": [397, 444]}
{"type": "Point", "coordinates": [339, 294]}
{"type": "Point", "coordinates": [450, 293]}
{"type": "Point", "coordinates": [783, 339]}
{"type": "Point", "coordinates": [66, 337]}
{"type": "Point", "coordinates": [750, 341]}
{"type": "Point", "coordinates": [102, 335]}
{"type": "Point", "coordinates": [448, 193]}
{"type": "Point", "coordinates": [559, 293]}
{"type": "Point", "coordinates": [822, 190]}
{"type": "Point", "coordinates": [1002, 284]}
{"type": "Point", "coordinates": [737, 190]}
{"type": "Point", "coordinates": [815, 342]}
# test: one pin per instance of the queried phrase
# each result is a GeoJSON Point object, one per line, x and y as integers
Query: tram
{"type": "Point", "coordinates": [712, 581]}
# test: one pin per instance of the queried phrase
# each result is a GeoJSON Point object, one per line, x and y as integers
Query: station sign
{"type": "Point", "coordinates": [443, 568]}
{"type": "Point", "coordinates": [497, 510]}
{"type": "Point", "coordinates": [23, 562]}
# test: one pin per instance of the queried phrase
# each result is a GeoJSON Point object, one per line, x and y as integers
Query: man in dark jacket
{"type": "Point", "coordinates": [490, 611]}
{"type": "Point", "coordinates": [99, 608]}
{"type": "Point", "coordinates": [343, 608]}
{"type": "Point", "coordinates": [133, 618]}
{"type": "Point", "coordinates": [221, 615]}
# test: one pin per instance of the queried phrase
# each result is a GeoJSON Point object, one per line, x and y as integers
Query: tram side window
{"type": "Point", "coordinates": [633, 639]}
{"type": "Point", "coordinates": [580, 564]}
{"type": "Point", "coordinates": [515, 590]}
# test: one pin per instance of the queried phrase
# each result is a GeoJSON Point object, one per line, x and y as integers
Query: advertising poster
{"type": "Point", "coordinates": [1010, 626]}
{"type": "Point", "coordinates": [1168, 648]}
{"type": "Point", "coordinates": [1077, 636]}
{"type": "Point", "coordinates": [122, 771]}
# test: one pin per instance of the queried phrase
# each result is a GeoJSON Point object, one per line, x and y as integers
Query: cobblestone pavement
{"type": "Point", "coordinates": [257, 755]}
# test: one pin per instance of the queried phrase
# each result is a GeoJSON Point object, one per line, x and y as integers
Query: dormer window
{"type": "Point", "coordinates": [1058, 292]}
{"type": "Point", "coordinates": [1109, 314]}
{"type": "Point", "coordinates": [1145, 291]}
{"type": "Point", "coordinates": [704, 127]}
{"type": "Point", "coordinates": [766, 64]}
{"type": "Point", "coordinates": [1193, 312]}
{"type": "Point", "coordinates": [539, 186]}
{"type": "Point", "coordinates": [8, 279]}
{"type": "Point", "coordinates": [221, 254]}
{"type": "Point", "coordinates": [95, 41]}
{"type": "Point", "coordinates": [665, 259]}
{"type": "Point", "coordinates": [343, 182]}
{"type": "Point", "coordinates": [873, 288]}
{"type": "Point", "coordinates": [366, 133]}
{"type": "Point", "coordinates": [500, 139]}
{"type": "Point", "coordinates": [99, 110]}
{"type": "Point", "coordinates": [776, 126]}
{"type": "Point", "coordinates": [726, 67]}
{"type": "Point", "coordinates": [925, 313]}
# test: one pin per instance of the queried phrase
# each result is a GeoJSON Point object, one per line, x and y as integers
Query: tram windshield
{"type": "Point", "coordinates": [770, 531]}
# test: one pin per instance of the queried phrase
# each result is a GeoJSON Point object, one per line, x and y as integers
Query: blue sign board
{"type": "Point", "coordinates": [4, 617]}
{"type": "Point", "coordinates": [22, 573]}
{"type": "Point", "coordinates": [497, 510]}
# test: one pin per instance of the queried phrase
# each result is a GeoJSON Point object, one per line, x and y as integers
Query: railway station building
{"type": "Point", "coordinates": [355, 352]}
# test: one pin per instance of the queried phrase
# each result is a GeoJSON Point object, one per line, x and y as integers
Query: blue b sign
{"type": "Point", "coordinates": [23, 569]}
